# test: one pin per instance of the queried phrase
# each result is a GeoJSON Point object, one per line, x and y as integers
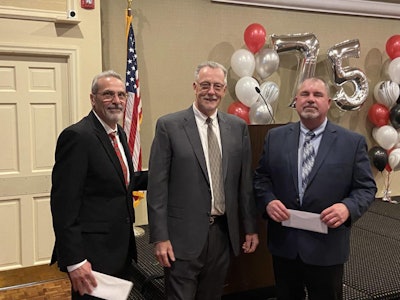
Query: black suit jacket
{"type": "Point", "coordinates": [179, 192]}
{"type": "Point", "coordinates": [341, 174]}
{"type": "Point", "coordinates": [92, 208]}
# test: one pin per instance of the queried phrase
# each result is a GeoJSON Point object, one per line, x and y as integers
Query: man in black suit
{"type": "Point", "coordinates": [193, 223]}
{"type": "Point", "coordinates": [91, 195]}
{"type": "Point", "coordinates": [339, 188]}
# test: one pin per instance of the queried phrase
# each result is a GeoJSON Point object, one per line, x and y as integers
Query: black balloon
{"type": "Point", "coordinates": [379, 158]}
{"type": "Point", "coordinates": [394, 116]}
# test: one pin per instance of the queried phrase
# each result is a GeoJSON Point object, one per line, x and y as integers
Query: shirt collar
{"type": "Point", "coordinates": [317, 131]}
{"type": "Point", "coordinates": [202, 117]}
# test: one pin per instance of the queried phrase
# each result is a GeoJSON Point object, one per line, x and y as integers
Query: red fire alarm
{"type": "Point", "coordinates": [88, 4]}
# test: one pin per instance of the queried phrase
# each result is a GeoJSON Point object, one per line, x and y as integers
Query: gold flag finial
{"type": "Point", "coordinates": [129, 9]}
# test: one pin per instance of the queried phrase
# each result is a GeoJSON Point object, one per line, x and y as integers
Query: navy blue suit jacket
{"type": "Point", "coordinates": [341, 174]}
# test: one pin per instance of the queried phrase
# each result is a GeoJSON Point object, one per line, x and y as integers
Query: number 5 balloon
{"type": "Point", "coordinates": [342, 75]}
{"type": "Point", "coordinates": [306, 48]}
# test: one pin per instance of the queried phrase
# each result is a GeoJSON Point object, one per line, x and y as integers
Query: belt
{"type": "Point", "coordinates": [216, 218]}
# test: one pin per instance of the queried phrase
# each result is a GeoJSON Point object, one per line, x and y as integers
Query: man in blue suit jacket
{"type": "Point", "coordinates": [340, 188]}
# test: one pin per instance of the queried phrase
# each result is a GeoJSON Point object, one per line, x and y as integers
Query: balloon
{"type": "Point", "coordinates": [393, 46]}
{"type": "Point", "coordinates": [237, 108]}
{"type": "Point", "coordinates": [387, 93]}
{"type": "Point", "coordinates": [378, 114]}
{"type": "Point", "coordinates": [254, 37]}
{"type": "Point", "coordinates": [245, 90]}
{"type": "Point", "coordinates": [386, 137]}
{"type": "Point", "coordinates": [306, 47]}
{"type": "Point", "coordinates": [261, 113]}
{"type": "Point", "coordinates": [243, 62]}
{"type": "Point", "coordinates": [394, 160]}
{"type": "Point", "coordinates": [394, 70]}
{"type": "Point", "coordinates": [395, 116]}
{"type": "Point", "coordinates": [270, 91]}
{"type": "Point", "coordinates": [342, 75]}
{"type": "Point", "coordinates": [378, 157]}
{"type": "Point", "coordinates": [267, 62]}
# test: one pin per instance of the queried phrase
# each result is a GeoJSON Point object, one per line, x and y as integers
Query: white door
{"type": "Point", "coordinates": [33, 110]}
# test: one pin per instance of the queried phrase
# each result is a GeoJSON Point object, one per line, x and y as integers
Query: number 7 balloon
{"type": "Point", "coordinates": [306, 48]}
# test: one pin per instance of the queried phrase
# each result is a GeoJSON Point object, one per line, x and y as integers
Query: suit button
{"type": "Point", "coordinates": [127, 220]}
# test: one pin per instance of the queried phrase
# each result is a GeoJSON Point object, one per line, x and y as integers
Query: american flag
{"type": "Point", "coordinates": [133, 111]}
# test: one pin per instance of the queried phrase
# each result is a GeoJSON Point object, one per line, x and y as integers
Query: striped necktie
{"type": "Point", "coordinates": [308, 159]}
{"type": "Point", "coordinates": [119, 155]}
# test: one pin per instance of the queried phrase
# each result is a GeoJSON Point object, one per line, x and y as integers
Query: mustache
{"type": "Point", "coordinates": [115, 106]}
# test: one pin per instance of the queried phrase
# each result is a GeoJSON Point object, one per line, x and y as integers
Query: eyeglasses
{"type": "Point", "coordinates": [109, 95]}
{"type": "Point", "coordinates": [205, 86]}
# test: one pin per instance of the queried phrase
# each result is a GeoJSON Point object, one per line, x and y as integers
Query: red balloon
{"type": "Point", "coordinates": [388, 167]}
{"type": "Point", "coordinates": [237, 108]}
{"type": "Point", "coordinates": [393, 46]}
{"type": "Point", "coordinates": [254, 37]}
{"type": "Point", "coordinates": [378, 114]}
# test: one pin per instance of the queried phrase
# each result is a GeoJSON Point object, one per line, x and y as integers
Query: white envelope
{"type": "Point", "coordinates": [111, 288]}
{"type": "Point", "coordinates": [305, 220]}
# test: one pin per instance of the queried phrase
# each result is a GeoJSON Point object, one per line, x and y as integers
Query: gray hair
{"type": "Point", "coordinates": [212, 65]}
{"type": "Point", "coordinates": [327, 89]}
{"type": "Point", "coordinates": [109, 73]}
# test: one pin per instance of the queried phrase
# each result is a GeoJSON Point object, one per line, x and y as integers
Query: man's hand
{"type": "Point", "coordinates": [164, 253]}
{"type": "Point", "coordinates": [277, 211]}
{"type": "Point", "coordinates": [335, 215]}
{"type": "Point", "coordinates": [82, 279]}
{"type": "Point", "coordinates": [251, 243]}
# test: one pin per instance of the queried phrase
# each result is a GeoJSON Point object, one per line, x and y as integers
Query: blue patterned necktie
{"type": "Point", "coordinates": [215, 161]}
{"type": "Point", "coordinates": [308, 159]}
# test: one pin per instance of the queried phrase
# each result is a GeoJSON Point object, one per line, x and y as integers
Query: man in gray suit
{"type": "Point", "coordinates": [194, 215]}
{"type": "Point", "coordinates": [339, 188]}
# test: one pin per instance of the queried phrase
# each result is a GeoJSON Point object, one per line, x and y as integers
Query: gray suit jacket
{"type": "Point", "coordinates": [179, 193]}
{"type": "Point", "coordinates": [341, 174]}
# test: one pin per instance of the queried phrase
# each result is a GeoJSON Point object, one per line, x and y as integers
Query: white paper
{"type": "Point", "coordinates": [305, 220]}
{"type": "Point", "coordinates": [111, 288]}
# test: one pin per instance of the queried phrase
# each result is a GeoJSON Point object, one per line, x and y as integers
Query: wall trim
{"type": "Point", "coordinates": [345, 7]}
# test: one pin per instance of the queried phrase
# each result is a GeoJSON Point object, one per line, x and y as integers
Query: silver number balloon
{"type": "Point", "coordinates": [306, 48]}
{"type": "Point", "coordinates": [345, 74]}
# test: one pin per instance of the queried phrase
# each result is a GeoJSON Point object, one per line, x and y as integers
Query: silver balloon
{"type": "Point", "coordinates": [306, 47]}
{"type": "Point", "coordinates": [270, 91]}
{"type": "Point", "coordinates": [267, 62]}
{"type": "Point", "coordinates": [342, 75]}
{"type": "Point", "coordinates": [387, 93]}
{"type": "Point", "coordinates": [261, 113]}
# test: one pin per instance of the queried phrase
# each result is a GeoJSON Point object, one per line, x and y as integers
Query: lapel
{"type": "Point", "coordinates": [192, 134]}
{"type": "Point", "coordinates": [225, 133]}
{"type": "Point", "coordinates": [292, 141]}
{"type": "Point", "coordinates": [108, 147]}
{"type": "Point", "coordinates": [328, 137]}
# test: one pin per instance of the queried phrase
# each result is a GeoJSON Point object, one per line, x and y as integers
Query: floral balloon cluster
{"type": "Point", "coordinates": [385, 116]}
{"type": "Point", "coordinates": [254, 100]}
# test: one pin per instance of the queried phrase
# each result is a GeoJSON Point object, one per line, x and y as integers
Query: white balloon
{"type": "Point", "coordinates": [245, 90]}
{"type": "Point", "coordinates": [394, 160]}
{"type": "Point", "coordinates": [260, 113]}
{"type": "Point", "coordinates": [387, 93]}
{"type": "Point", "coordinates": [243, 62]}
{"type": "Point", "coordinates": [394, 70]}
{"type": "Point", "coordinates": [267, 62]}
{"type": "Point", "coordinates": [270, 91]}
{"type": "Point", "coordinates": [374, 130]}
{"type": "Point", "coordinates": [386, 136]}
